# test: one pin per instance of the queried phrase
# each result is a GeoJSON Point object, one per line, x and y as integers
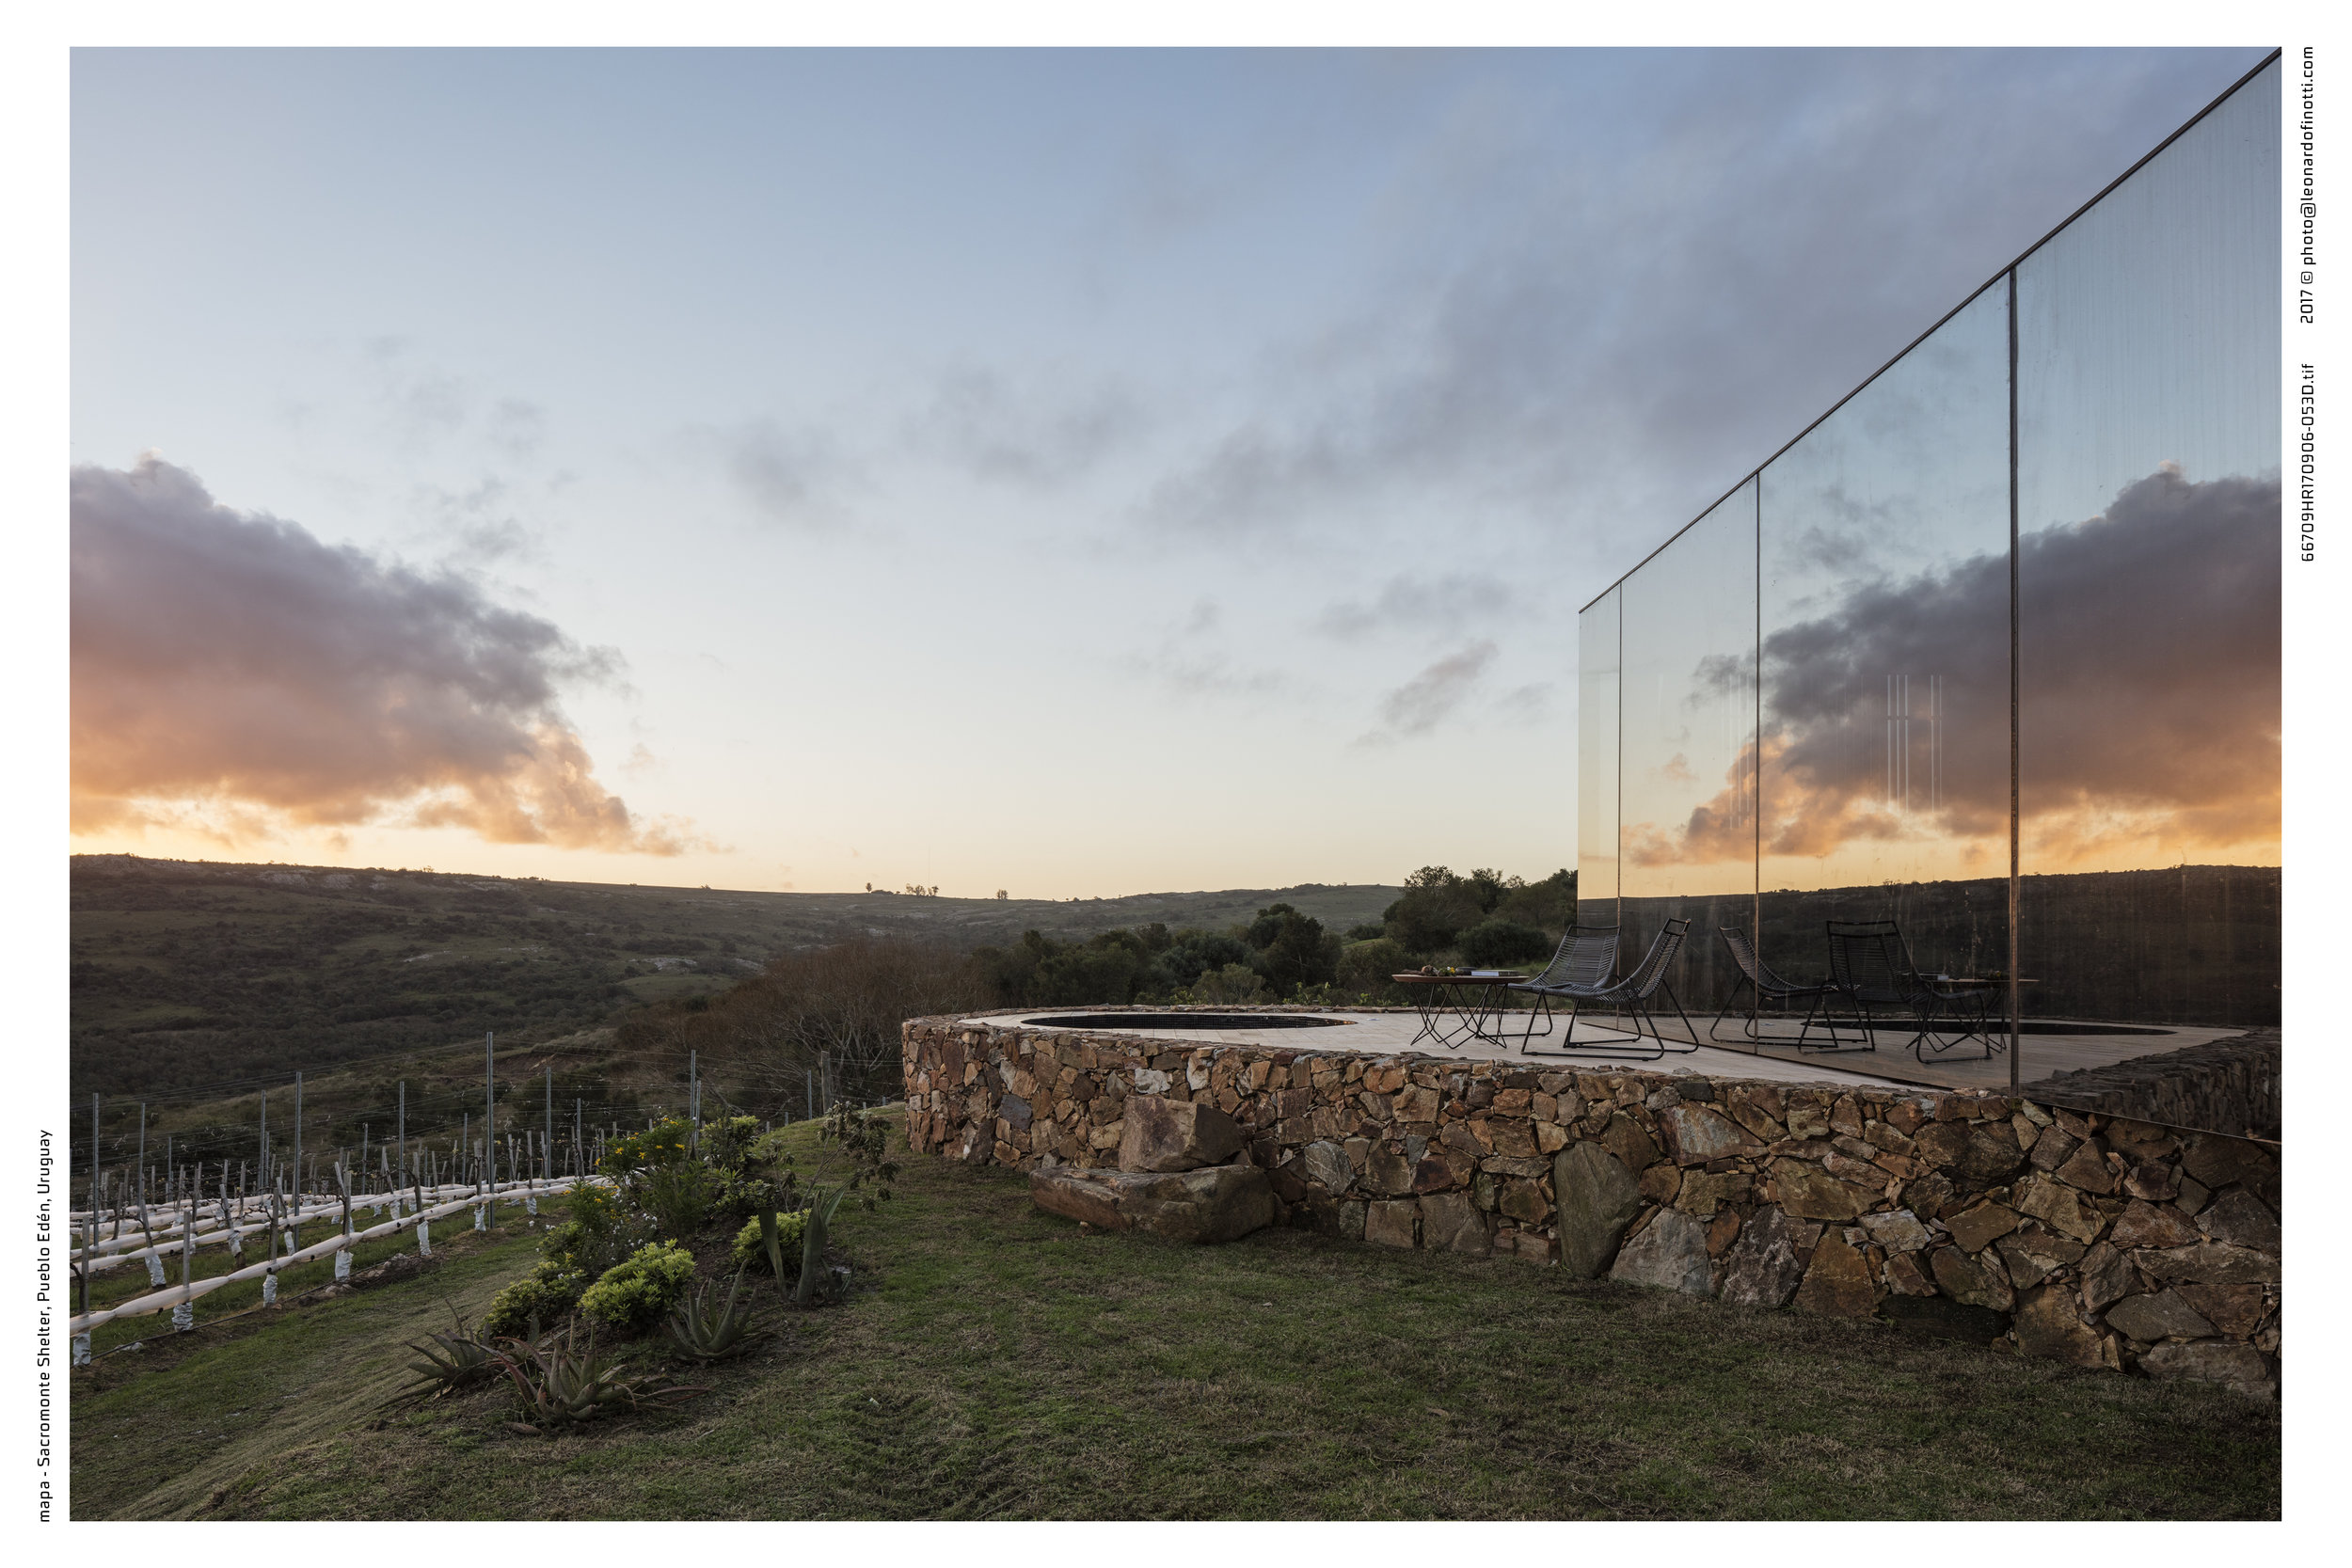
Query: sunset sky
{"type": "Point", "coordinates": [1073, 473]}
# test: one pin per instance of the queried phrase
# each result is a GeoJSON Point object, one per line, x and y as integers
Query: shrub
{"type": "Point", "coordinates": [728, 1140]}
{"type": "Point", "coordinates": [663, 1144]}
{"type": "Point", "coordinates": [1365, 966]}
{"type": "Point", "coordinates": [598, 1234]}
{"type": "Point", "coordinates": [750, 1252]}
{"type": "Point", "coordinates": [1493, 941]}
{"type": "Point", "coordinates": [1233, 983]}
{"type": "Point", "coordinates": [677, 1197]}
{"type": "Point", "coordinates": [544, 1295]}
{"type": "Point", "coordinates": [635, 1296]}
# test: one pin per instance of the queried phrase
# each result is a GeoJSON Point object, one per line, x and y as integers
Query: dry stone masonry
{"type": "Point", "coordinates": [2094, 1240]}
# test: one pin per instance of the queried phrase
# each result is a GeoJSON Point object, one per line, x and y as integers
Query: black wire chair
{"type": "Point", "coordinates": [1765, 989]}
{"type": "Point", "coordinates": [1631, 996]}
{"type": "Point", "coordinates": [1584, 965]}
{"type": "Point", "coordinates": [1871, 971]}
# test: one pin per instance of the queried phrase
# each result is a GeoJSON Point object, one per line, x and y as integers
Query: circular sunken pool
{"type": "Point", "coordinates": [1184, 1020]}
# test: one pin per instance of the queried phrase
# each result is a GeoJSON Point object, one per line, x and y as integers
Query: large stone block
{"type": "Point", "coordinates": [1451, 1223]}
{"type": "Point", "coordinates": [1393, 1223]}
{"type": "Point", "coordinates": [1761, 1268]}
{"type": "Point", "coordinates": [1326, 1165]}
{"type": "Point", "coordinates": [2048, 1326]}
{"type": "Point", "coordinates": [2233, 1310]}
{"type": "Point", "coordinates": [1175, 1135]}
{"type": "Point", "coordinates": [2210, 1361]}
{"type": "Point", "coordinates": [1982, 1226]}
{"type": "Point", "coordinates": [1810, 1192]}
{"type": "Point", "coordinates": [1696, 1133]}
{"type": "Point", "coordinates": [2146, 1224]}
{"type": "Point", "coordinates": [2059, 1206]}
{"type": "Point", "coordinates": [1838, 1282]}
{"type": "Point", "coordinates": [1897, 1230]}
{"type": "Point", "coordinates": [1977, 1151]}
{"type": "Point", "coordinates": [2209, 1263]}
{"type": "Point", "coordinates": [2240, 1219]}
{"type": "Point", "coordinates": [1597, 1199]}
{"type": "Point", "coordinates": [1970, 1283]}
{"type": "Point", "coordinates": [1220, 1203]}
{"type": "Point", "coordinates": [2163, 1316]}
{"type": "Point", "coordinates": [1670, 1252]}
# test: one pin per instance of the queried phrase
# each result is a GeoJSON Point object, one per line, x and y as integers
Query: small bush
{"type": "Point", "coordinates": [728, 1140]}
{"type": "Point", "coordinates": [1233, 982]}
{"type": "Point", "coordinates": [678, 1197]}
{"type": "Point", "coordinates": [750, 1252]}
{"type": "Point", "coordinates": [546, 1295]}
{"type": "Point", "coordinates": [663, 1144]}
{"type": "Point", "coordinates": [1491, 943]}
{"type": "Point", "coordinates": [633, 1297]}
{"type": "Point", "coordinates": [598, 1233]}
{"type": "Point", "coordinates": [1365, 967]}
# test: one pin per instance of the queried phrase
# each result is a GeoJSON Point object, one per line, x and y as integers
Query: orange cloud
{"type": "Point", "coordinates": [234, 673]}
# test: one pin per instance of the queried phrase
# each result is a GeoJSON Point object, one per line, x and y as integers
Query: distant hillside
{"type": "Point", "coordinates": [190, 972]}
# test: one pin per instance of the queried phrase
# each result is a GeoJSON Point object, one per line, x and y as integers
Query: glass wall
{"type": "Point", "coordinates": [1686, 811]}
{"type": "Point", "coordinates": [1597, 762]}
{"type": "Point", "coordinates": [2018, 595]}
{"type": "Point", "coordinates": [1884, 649]}
{"type": "Point", "coordinates": [2148, 567]}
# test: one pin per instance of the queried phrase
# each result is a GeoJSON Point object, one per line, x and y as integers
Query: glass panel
{"type": "Point", "coordinates": [2149, 582]}
{"type": "Point", "coordinates": [1688, 804]}
{"type": "Point", "coordinates": [1884, 688]}
{"type": "Point", "coordinates": [1597, 762]}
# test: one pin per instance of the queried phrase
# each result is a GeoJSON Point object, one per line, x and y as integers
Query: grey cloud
{"type": "Point", "coordinates": [1443, 602]}
{"type": "Point", "coordinates": [795, 476]}
{"type": "Point", "coordinates": [236, 660]}
{"type": "Point", "coordinates": [981, 420]}
{"type": "Point", "coordinates": [1622, 332]}
{"type": "Point", "coordinates": [1429, 698]}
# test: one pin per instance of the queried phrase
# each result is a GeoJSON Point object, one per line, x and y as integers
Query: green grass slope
{"type": "Point", "coordinates": [998, 1363]}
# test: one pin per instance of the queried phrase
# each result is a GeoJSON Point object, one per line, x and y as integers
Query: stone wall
{"type": "Point", "coordinates": [2097, 1240]}
{"type": "Point", "coordinates": [2229, 1085]}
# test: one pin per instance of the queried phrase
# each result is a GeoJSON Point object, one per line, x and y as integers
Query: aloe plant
{"type": "Point", "coordinates": [448, 1362]}
{"type": "Point", "coordinates": [561, 1382]}
{"type": "Point", "coordinates": [705, 1332]}
{"type": "Point", "coordinates": [820, 1214]}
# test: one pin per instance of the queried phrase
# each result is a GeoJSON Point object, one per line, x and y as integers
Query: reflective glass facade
{"type": "Point", "coordinates": [1991, 652]}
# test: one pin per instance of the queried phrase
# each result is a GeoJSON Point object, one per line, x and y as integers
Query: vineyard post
{"type": "Point", "coordinates": [401, 1127]}
{"type": "Point", "coordinates": [142, 1163]}
{"type": "Point", "coordinates": [298, 1165]}
{"type": "Point", "coordinates": [489, 1119]}
{"type": "Point", "coordinates": [546, 1150]}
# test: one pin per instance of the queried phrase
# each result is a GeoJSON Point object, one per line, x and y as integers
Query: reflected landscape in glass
{"type": "Point", "coordinates": [1800, 710]}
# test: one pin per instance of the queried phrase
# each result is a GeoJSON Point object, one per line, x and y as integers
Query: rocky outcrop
{"type": "Point", "coordinates": [1220, 1203]}
{"type": "Point", "coordinates": [2095, 1239]}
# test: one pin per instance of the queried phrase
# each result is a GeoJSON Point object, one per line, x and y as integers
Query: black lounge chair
{"type": "Point", "coordinates": [1871, 971]}
{"type": "Point", "coordinates": [1628, 996]}
{"type": "Point", "coordinates": [1585, 964]}
{"type": "Point", "coordinates": [1765, 988]}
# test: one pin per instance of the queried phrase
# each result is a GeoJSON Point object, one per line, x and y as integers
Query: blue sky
{"type": "Point", "coordinates": [1071, 472]}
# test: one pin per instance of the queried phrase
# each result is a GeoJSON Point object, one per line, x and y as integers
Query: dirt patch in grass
{"type": "Point", "coordinates": [994, 1362]}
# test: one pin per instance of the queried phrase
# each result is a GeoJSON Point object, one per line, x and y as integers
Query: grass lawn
{"type": "Point", "coordinates": [996, 1363]}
